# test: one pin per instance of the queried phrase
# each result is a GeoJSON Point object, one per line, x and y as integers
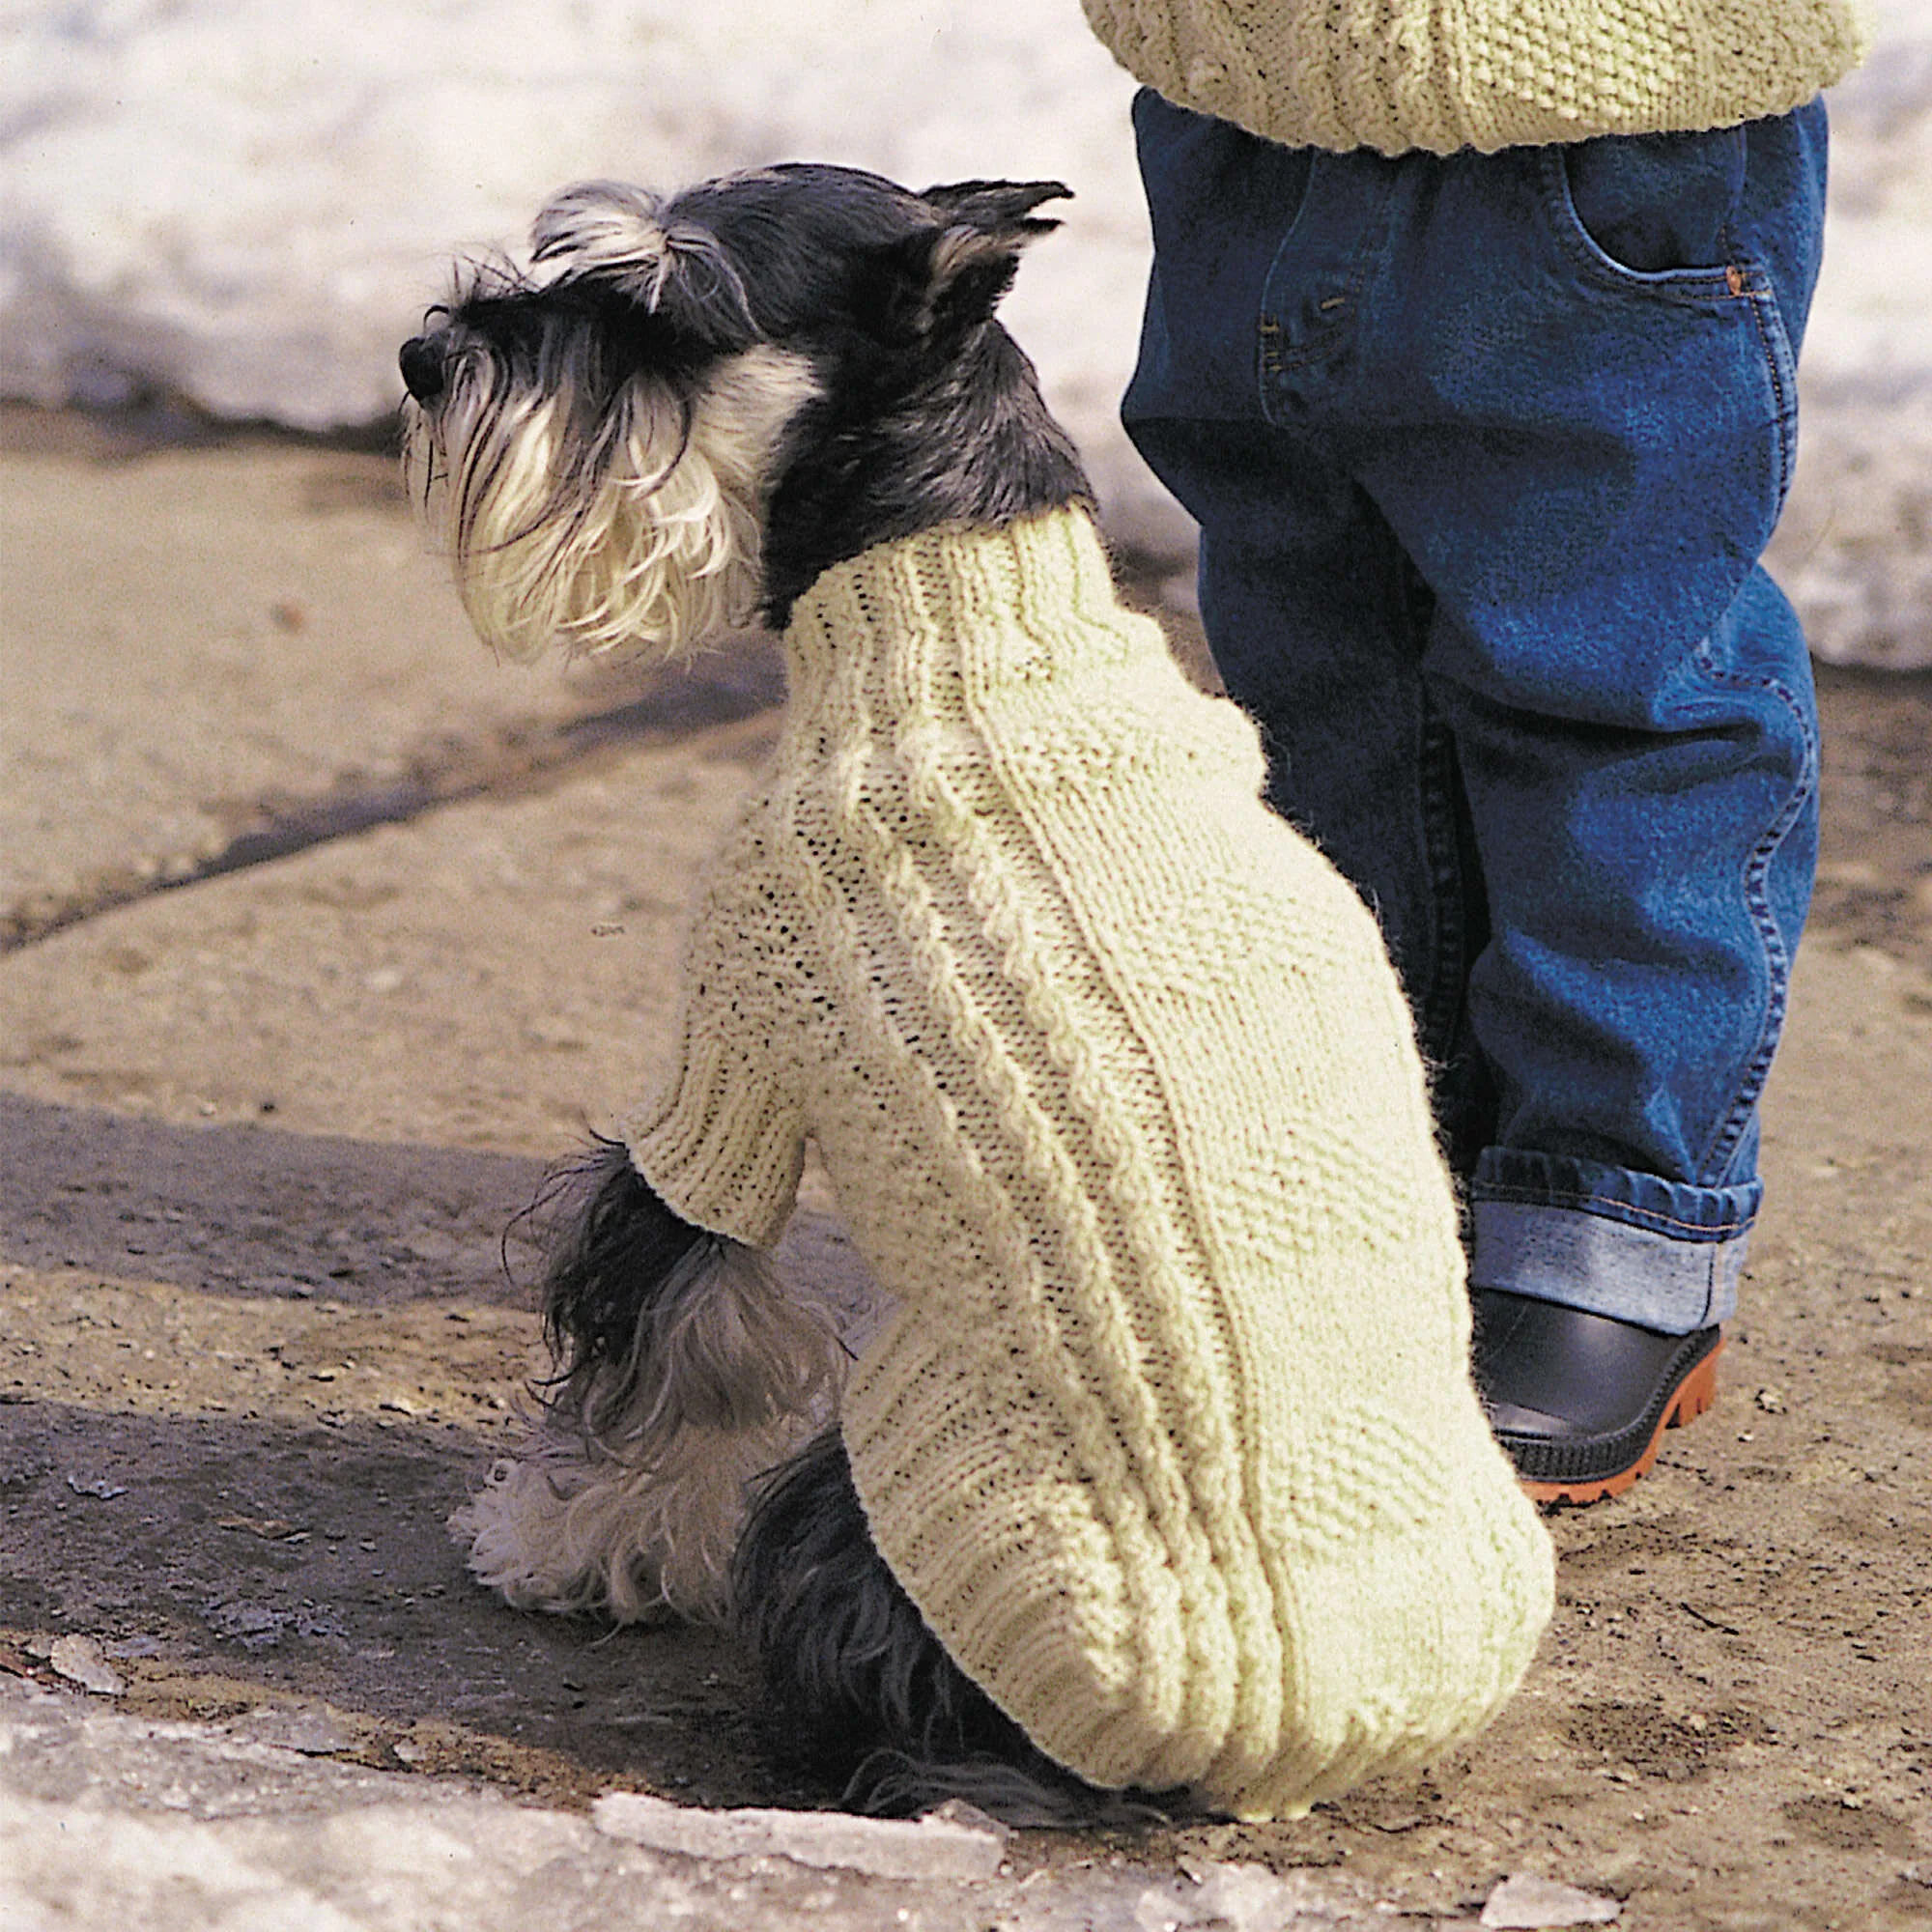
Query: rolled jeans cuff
{"type": "Point", "coordinates": [1662, 1254]}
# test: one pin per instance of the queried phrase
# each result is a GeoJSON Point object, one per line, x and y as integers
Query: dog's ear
{"type": "Point", "coordinates": [939, 283]}
{"type": "Point", "coordinates": [995, 207]}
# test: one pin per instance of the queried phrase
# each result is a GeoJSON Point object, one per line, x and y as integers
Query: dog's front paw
{"type": "Point", "coordinates": [569, 1530]}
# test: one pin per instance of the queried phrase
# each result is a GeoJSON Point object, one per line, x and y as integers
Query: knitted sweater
{"type": "Point", "coordinates": [1172, 1437]}
{"type": "Point", "coordinates": [1394, 74]}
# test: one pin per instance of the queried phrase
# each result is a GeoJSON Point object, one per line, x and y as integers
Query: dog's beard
{"type": "Point", "coordinates": [635, 529]}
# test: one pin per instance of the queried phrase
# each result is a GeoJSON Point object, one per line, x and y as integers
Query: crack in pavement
{"type": "Point", "coordinates": [719, 696]}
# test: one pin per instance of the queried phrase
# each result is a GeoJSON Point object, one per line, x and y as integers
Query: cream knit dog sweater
{"type": "Point", "coordinates": [1172, 1437]}
{"type": "Point", "coordinates": [1394, 74]}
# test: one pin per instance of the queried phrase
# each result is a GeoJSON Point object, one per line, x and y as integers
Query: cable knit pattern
{"type": "Point", "coordinates": [1442, 74]}
{"type": "Point", "coordinates": [1172, 1437]}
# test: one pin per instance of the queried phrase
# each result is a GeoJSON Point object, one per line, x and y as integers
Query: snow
{"type": "Point", "coordinates": [248, 205]}
{"type": "Point", "coordinates": [251, 205]}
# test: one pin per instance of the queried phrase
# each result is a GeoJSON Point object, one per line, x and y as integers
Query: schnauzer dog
{"type": "Point", "coordinates": [1037, 1539]}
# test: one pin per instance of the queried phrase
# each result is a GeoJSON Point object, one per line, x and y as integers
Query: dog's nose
{"type": "Point", "coordinates": [422, 361]}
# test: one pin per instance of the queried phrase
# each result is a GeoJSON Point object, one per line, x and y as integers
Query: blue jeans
{"type": "Point", "coordinates": [1485, 450]}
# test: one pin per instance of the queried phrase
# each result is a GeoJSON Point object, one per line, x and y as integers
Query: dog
{"type": "Point", "coordinates": [1107, 1066]}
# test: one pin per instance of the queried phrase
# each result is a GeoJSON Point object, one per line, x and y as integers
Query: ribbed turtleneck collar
{"type": "Point", "coordinates": [958, 614]}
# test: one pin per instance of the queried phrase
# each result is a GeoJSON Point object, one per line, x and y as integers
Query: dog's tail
{"type": "Point", "coordinates": [682, 1371]}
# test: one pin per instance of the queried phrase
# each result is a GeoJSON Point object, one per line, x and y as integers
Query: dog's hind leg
{"type": "Point", "coordinates": [682, 1371]}
{"type": "Point", "coordinates": [857, 1688]}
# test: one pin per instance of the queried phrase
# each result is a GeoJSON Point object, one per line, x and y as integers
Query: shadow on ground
{"type": "Point", "coordinates": [289, 1360]}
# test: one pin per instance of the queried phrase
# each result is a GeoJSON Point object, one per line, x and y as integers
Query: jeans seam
{"type": "Point", "coordinates": [1448, 890]}
{"type": "Point", "coordinates": [1711, 1232]}
{"type": "Point", "coordinates": [1761, 299]}
{"type": "Point", "coordinates": [1729, 1131]}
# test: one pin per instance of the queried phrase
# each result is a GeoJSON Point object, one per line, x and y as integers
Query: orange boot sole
{"type": "Point", "coordinates": [1694, 1395]}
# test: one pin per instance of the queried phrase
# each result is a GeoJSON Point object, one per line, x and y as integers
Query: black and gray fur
{"type": "Point", "coordinates": [830, 332]}
{"type": "Point", "coordinates": [840, 329]}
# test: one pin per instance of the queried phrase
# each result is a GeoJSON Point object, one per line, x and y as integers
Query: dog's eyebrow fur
{"type": "Point", "coordinates": [643, 249]}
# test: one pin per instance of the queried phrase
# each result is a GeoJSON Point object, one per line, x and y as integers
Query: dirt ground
{"type": "Point", "coordinates": [253, 1350]}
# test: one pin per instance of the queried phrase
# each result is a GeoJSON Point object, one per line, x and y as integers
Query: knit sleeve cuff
{"type": "Point", "coordinates": [724, 1147]}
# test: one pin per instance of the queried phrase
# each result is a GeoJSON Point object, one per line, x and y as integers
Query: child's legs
{"type": "Point", "coordinates": [1646, 883]}
{"type": "Point", "coordinates": [1581, 459]}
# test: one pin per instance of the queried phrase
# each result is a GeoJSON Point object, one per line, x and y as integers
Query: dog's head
{"type": "Point", "coordinates": [597, 437]}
